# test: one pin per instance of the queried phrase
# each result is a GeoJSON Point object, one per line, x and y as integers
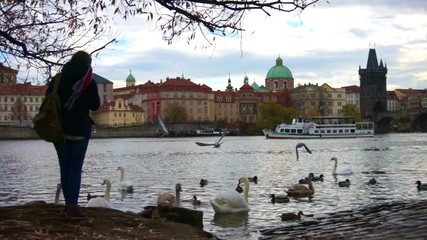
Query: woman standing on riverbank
{"type": "Point", "coordinates": [78, 94]}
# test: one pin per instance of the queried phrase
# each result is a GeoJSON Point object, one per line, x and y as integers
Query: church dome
{"type": "Point", "coordinates": [130, 78]}
{"type": "Point", "coordinates": [279, 71]}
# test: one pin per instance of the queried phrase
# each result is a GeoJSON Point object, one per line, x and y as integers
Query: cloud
{"type": "Point", "coordinates": [325, 43]}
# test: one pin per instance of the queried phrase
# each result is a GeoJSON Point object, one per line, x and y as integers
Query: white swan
{"type": "Point", "coordinates": [99, 201]}
{"type": "Point", "coordinates": [124, 186]}
{"type": "Point", "coordinates": [232, 202]}
{"type": "Point", "coordinates": [170, 200]}
{"type": "Point", "coordinates": [341, 170]}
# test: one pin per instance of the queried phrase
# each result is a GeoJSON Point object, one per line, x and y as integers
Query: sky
{"type": "Point", "coordinates": [325, 43]}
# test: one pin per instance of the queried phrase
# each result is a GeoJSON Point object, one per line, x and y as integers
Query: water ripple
{"type": "Point", "coordinates": [29, 171]}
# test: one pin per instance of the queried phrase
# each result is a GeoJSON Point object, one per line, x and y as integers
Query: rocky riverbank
{"type": "Point", "coordinates": [394, 220]}
{"type": "Point", "coordinates": [40, 220]}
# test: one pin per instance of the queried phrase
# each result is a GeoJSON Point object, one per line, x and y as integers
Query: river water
{"type": "Point", "coordinates": [29, 171]}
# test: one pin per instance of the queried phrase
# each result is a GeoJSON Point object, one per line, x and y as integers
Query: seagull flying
{"type": "Point", "coordinates": [299, 145]}
{"type": "Point", "coordinates": [218, 143]}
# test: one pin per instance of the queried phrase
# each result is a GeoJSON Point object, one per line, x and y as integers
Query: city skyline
{"type": "Point", "coordinates": [326, 43]}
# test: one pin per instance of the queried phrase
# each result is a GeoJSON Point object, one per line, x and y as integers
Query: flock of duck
{"type": "Point", "coordinates": [233, 201]}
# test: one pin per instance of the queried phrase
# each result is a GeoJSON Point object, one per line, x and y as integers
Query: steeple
{"type": "Point", "coordinates": [229, 87]}
{"type": "Point", "coordinates": [246, 80]}
{"type": "Point", "coordinates": [372, 59]}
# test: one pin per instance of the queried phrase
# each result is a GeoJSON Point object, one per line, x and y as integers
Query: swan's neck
{"type": "Point", "coordinates": [122, 175]}
{"type": "Point", "coordinates": [335, 167]}
{"type": "Point", "coordinates": [246, 190]}
{"type": "Point", "coordinates": [310, 185]}
{"type": "Point", "coordinates": [107, 191]}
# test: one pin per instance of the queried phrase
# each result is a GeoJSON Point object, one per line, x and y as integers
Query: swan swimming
{"type": "Point", "coordinates": [231, 201]}
{"type": "Point", "coordinates": [170, 200]}
{"type": "Point", "coordinates": [300, 145]}
{"type": "Point", "coordinates": [301, 191]}
{"type": "Point", "coordinates": [99, 201]}
{"type": "Point", "coordinates": [124, 186]}
{"type": "Point", "coordinates": [341, 170]}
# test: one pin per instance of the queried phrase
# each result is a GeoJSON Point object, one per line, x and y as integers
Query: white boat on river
{"type": "Point", "coordinates": [321, 127]}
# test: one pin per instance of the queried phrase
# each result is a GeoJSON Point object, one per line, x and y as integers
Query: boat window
{"type": "Point", "coordinates": [328, 131]}
{"type": "Point", "coordinates": [281, 130]}
{"type": "Point", "coordinates": [316, 131]}
{"type": "Point", "coordinates": [293, 131]}
{"type": "Point", "coordinates": [299, 130]}
{"type": "Point", "coordinates": [323, 131]}
{"type": "Point", "coordinates": [340, 130]}
{"type": "Point", "coordinates": [352, 130]}
{"type": "Point", "coordinates": [286, 130]}
{"type": "Point", "coordinates": [334, 131]}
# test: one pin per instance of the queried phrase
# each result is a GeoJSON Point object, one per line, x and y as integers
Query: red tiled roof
{"type": "Point", "coordinates": [23, 89]}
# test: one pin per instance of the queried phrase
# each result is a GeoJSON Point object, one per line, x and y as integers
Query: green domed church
{"type": "Point", "coordinates": [279, 77]}
{"type": "Point", "coordinates": [130, 80]}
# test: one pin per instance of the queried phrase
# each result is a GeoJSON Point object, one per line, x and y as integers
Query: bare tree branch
{"type": "Point", "coordinates": [41, 34]}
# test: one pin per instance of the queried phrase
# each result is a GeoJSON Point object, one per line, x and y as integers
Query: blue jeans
{"type": "Point", "coordinates": [71, 155]}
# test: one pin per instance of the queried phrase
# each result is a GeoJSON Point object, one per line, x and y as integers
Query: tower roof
{"type": "Point", "coordinates": [279, 70]}
{"type": "Point", "coordinates": [130, 77]}
{"type": "Point", "coordinates": [372, 59]}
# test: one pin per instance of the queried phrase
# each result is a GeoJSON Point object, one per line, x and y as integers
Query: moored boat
{"type": "Point", "coordinates": [321, 127]}
{"type": "Point", "coordinates": [210, 132]}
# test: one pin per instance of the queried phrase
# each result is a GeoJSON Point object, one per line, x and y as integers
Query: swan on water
{"type": "Point", "coordinates": [342, 170]}
{"type": "Point", "coordinates": [169, 199]}
{"type": "Point", "coordinates": [124, 186]}
{"type": "Point", "coordinates": [300, 145]}
{"type": "Point", "coordinates": [99, 201]}
{"type": "Point", "coordinates": [301, 191]}
{"type": "Point", "coordinates": [231, 201]}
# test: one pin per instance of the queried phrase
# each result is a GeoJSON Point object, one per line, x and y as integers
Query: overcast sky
{"type": "Point", "coordinates": [325, 43]}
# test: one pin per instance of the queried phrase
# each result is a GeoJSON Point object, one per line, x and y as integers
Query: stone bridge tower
{"type": "Point", "coordinates": [373, 87]}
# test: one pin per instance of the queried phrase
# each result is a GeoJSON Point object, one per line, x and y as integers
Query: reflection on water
{"type": "Point", "coordinates": [230, 220]}
{"type": "Point", "coordinates": [29, 171]}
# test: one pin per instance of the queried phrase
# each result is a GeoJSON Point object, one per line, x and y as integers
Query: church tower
{"type": "Point", "coordinates": [130, 80]}
{"type": "Point", "coordinates": [373, 86]}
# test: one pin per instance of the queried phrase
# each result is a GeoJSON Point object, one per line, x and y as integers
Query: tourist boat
{"type": "Point", "coordinates": [321, 127]}
{"type": "Point", "coordinates": [208, 132]}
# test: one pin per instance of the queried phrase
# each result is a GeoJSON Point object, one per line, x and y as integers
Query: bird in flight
{"type": "Point", "coordinates": [299, 145]}
{"type": "Point", "coordinates": [217, 144]}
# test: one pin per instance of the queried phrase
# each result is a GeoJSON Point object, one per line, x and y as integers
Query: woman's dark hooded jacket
{"type": "Point", "coordinates": [76, 121]}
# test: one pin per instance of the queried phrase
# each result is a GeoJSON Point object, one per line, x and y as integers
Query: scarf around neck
{"type": "Point", "coordinates": [79, 88]}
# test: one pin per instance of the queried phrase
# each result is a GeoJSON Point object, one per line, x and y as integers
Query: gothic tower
{"type": "Point", "coordinates": [373, 87]}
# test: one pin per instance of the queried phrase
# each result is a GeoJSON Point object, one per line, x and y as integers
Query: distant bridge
{"type": "Point", "coordinates": [413, 120]}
